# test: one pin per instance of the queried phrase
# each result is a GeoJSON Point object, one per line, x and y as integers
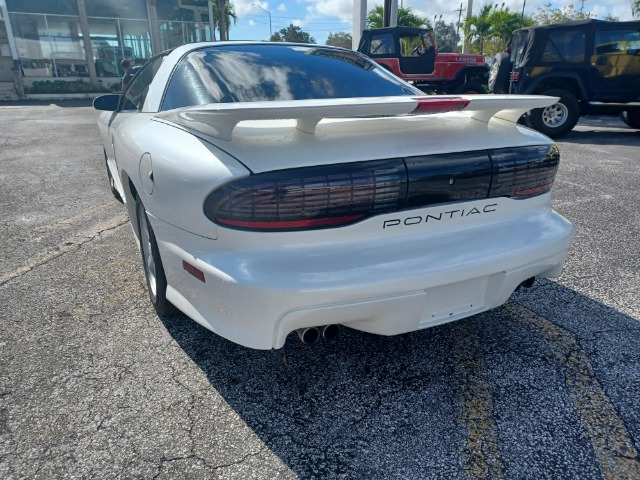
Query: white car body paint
{"type": "Point", "coordinates": [385, 278]}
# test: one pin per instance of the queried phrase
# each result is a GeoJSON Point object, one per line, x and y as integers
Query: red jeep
{"type": "Point", "coordinates": [411, 54]}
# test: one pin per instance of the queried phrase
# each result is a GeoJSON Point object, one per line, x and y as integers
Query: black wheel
{"type": "Point", "coordinates": [632, 118]}
{"type": "Point", "coordinates": [153, 269]}
{"type": "Point", "coordinates": [558, 119]}
{"type": "Point", "coordinates": [112, 182]}
{"type": "Point", "coordinates": [472, 87]}
{"type": "Point", "coordinates": [499, 73]}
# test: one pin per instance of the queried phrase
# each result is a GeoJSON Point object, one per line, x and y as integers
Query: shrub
{"type": "Point", "coordinates": [78, 86]}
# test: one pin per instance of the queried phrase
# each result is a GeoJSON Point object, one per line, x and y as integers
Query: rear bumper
{"type": "Point", "coordinates": [257, 297]}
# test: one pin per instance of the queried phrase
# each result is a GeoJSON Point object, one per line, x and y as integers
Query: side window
{"type": "Point", "coordinates": [564, 46]}
{"type": "Point", "coordinates": [617, 42]}
{"type": "Point", "coordinates": [382, 44]}
{"type": "Point", "coordinates": [414, 45]}
{"type": "Point", "coordinates": [136, 92]}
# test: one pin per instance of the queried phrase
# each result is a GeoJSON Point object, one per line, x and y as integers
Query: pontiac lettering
{"type": "Point", "coordinates": [445, 215]}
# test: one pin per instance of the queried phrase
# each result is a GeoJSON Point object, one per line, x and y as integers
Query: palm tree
{"type": "Point", "coordinates": [406, 18]}
{"type": "Point", "coordinates": [635, 8]}
{"type": "Point", "coordinates": [229, 13]}
{"type": "Point", "coordinates": [503, 23]}
{"type": "Point", "coordinates": [478, 28]}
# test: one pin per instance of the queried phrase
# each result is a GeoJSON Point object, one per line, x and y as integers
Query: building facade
{"type": "Point", "coordinates": [87, 39]}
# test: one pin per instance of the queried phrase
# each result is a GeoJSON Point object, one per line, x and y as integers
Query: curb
{"type": "Point", "coordinates": [62, 96]}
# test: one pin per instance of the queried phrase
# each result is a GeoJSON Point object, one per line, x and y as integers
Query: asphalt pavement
{"type": "Point", "coordinates": [93, 384]}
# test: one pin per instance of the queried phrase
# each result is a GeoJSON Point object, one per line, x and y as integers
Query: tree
{"type": "Point", "coordinates": [490, 30]}
{"type": "Point", "coordinates": [547, 15]}
{"type": "Point", "coordinates": [340, 39]}
{"type": "Point", "coordinates": [635, 8]}
{"type": "Point", "coordinates": [478, 28]}
{"type": "Point", "coordinates": [292, 33]}
{"type": "Point", "coordinates": [230, 14]}
{"type": "Point", "coordinates": [503, 23]}
{"type": "Point", "coordinates": [447, 37]}
{"type": "Point", "coordinates": [406, 18]}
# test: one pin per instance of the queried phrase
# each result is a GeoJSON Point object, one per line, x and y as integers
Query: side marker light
{"type": "Point", "coordinates": [199, 274]}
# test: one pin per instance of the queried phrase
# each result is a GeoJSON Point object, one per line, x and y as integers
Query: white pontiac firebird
{"type": "Point", "coordinates": [278, 187]}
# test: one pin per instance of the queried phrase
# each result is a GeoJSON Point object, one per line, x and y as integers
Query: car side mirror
{"type": "Point", "coordinates": [107, 102]}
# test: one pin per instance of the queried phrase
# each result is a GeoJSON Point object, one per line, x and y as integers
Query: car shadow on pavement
{"type": "Point", "coordinates": [63, 103]}
{"type": "Point", "coordinates": [501, 393]}
{"type": "Point", "coordinates": [603, 137]}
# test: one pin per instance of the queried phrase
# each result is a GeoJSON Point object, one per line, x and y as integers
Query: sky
{"type": "Point", "coordinates": [321, 17]}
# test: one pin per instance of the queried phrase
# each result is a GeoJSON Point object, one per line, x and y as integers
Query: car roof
{"type": "Point", "coordinates": [592, 22]}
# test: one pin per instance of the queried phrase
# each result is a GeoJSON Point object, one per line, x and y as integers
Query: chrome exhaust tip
{"type": "Point", "coordinates": [331, 331]}
{"type": "Point", "coordinates": [308, 335]}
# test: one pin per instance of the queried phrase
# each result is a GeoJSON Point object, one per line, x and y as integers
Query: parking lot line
{"type": "Point", "coordinates": [62, 249]}
{"type": "Point", "coordinates": [611, 441]}
{"type": "Point", "coordinates": [481, 457]}
{"type": "Point", "coordinates": [76, 217]}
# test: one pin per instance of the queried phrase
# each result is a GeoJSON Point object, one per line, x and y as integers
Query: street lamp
{"type": "Point", "coordinates": [269, 13]}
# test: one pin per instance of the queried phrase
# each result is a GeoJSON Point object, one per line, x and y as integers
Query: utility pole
{"type": "Point", "coordinates": [460, 10]}
{"type": "Point", "coordinates": [465, 46]}
{"type": "Point", "coordinates": [581, 6]}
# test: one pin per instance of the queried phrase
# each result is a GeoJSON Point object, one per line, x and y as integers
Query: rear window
{"type": "Point", "coordinates": [254, 73]}
{"type": "Point", "coordinates": [517, 44]}
{"type": "Point", "coordinates": [564, 46]}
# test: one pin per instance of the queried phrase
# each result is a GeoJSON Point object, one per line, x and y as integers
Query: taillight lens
{"type": "Point", "coordinates": [336, 195]}
{"type": "Point", "coordinates": [523, 172]}
{"type": "Point", "coordinates": [308, 198]}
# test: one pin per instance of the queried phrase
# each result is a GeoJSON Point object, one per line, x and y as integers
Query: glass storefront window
{"type": "Point", "coordinates": [49, 45]}
{"type": "Point", "coordinates": [113, 39]}
{"type": "Point", "coordinates": [173, 34]}
{"type": "Point", "coordinates": [50, 42]}
{"type": "Point", "coordinates": [107, 47]}
{"type": "Point", "coordinates": [137, 39]}
{"type": "Point", "coordinates": [59, 7]}
{"type": "Point", "coordinates": [116, 8]}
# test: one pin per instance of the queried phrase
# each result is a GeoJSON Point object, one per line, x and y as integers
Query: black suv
{"type": "Point", "coordinates": [593, 66]}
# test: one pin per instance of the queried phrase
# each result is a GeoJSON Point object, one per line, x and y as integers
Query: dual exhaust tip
{"type": "Point", "coordinates": [310, 335]}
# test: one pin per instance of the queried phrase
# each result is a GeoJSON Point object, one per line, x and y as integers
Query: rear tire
{"type": "Point", "coordinates": [558, 119]}
{"type": "Point", "coordinates": [499, 74]}
{"type": "Point", "coordinates": [632, 118]}
{"type": "Point", "coordinates": [472, 87]}
{"type": "Point", "coordinates": [153, 269]}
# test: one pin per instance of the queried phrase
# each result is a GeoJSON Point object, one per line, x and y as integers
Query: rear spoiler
{"type": "Point", "coordinates": [219, 119]}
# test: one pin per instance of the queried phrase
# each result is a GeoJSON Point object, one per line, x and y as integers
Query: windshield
{"type": "Point", "coordinates": [253, 73]}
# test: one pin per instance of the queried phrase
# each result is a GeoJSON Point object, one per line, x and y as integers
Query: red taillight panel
{"type": "Point", "coordinates": [291, 224]}
{"type": "Point", "coordinates": [522, 172]}
{"type": "Point", "coordinates": [338, 195]}
{"type": "Point", "coordinates": [312, 197]}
